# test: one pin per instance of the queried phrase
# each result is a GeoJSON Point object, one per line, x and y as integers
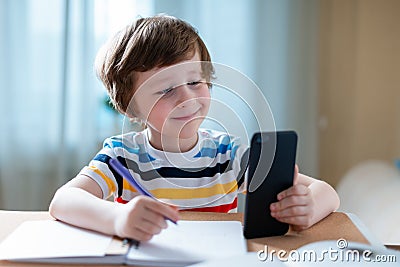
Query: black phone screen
{"type": "Point", "coordinates": [271, 170]}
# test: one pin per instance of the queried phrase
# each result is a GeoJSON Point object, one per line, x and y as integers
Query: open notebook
{"type": "Point", "coordinates": [179, 245]}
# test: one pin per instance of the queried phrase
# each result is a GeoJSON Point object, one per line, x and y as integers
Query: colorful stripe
{"type": "Point", "coordinates": [109, 182]}
{"type": "Point", "coordinates": [221, 208]}
{"type": "Point", "coordinates": [143, 157]}
{"type": "Point", "coordinates": [190, 193]}
{"type": "Point", "coordinates": [167, 172]}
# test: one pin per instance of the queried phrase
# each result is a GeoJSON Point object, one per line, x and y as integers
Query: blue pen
{"type": "Point", "coordinates": [118, 167]}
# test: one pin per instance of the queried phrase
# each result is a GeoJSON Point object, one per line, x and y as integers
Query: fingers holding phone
{"type": "Point", "coordinates": [295, 206]}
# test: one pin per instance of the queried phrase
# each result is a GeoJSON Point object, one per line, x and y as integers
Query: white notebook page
{"type": "Point", "coordinates": [192, 241]}
{"type": "Point", "coordinates": [52, 239]}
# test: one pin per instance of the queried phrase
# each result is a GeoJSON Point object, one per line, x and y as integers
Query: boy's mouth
{"type": "Point", "coordinates": [187, 117]}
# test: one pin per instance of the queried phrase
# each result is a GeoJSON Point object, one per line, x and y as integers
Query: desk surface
{"type": "Point", "coordinates": [335, 226]}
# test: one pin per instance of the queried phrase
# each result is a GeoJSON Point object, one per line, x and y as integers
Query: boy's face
{"type": "Point", "coordinates": [173, 100]}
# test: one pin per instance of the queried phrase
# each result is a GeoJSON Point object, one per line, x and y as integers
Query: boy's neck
{"type": "Point", "coordinates": [171, 144]}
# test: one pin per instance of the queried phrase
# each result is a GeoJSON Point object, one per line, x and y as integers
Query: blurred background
{"type": "Point", "coordinates": [330, 69]}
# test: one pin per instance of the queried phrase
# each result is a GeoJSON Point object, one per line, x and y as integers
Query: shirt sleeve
{"type": "Point", "coordinates": [99, 170]}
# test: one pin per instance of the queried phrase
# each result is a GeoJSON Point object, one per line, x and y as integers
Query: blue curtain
{"type": "Point", "coordinates": [53, 111]}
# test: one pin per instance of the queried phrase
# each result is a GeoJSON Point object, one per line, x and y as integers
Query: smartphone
{"type": "Point", "coordinates": [270, 171]}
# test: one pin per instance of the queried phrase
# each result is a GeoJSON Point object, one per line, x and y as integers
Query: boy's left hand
{"type": "Point", "coordinates": [295, 206]}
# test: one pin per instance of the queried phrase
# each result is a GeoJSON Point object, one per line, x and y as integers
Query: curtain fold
{"type": "Point", "coordinates": [53, 113]}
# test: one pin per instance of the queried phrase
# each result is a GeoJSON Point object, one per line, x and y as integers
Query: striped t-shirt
{"type": "Point", "coordinates": [206, 178]}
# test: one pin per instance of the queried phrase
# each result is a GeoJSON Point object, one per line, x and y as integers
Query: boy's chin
{"type": "Point", "coordinates": [187, 131]}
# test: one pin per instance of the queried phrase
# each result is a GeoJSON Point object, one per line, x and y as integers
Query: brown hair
{"type": "Point", "coordinates": [157, 41]}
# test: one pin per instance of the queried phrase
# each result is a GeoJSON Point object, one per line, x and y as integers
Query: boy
{"type": "Point", "coordinates": [187, 167]}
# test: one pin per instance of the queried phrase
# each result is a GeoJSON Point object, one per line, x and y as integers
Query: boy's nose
{"type": "Point", "coordinates": [187, 96]}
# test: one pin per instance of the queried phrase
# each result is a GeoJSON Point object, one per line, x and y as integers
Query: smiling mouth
{"type": "Point", "coordinates": [187, 117]}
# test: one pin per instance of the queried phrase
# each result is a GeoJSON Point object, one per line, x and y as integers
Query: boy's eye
{"type": "Point", "coordinates": [194, 83]}
{"type": "Point", "coordinates": [170, 90]}
{"type": "Point", "coordinates": [166, 91]}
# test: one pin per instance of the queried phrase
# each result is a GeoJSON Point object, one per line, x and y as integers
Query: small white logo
{"type": "Point", "coordinates": [341, 243]}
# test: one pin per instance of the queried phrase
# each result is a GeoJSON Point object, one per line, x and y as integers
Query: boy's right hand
{"type": "Point", "coordinates": [143, 217]}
